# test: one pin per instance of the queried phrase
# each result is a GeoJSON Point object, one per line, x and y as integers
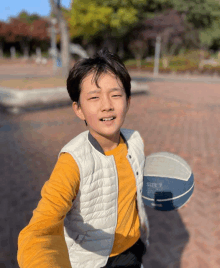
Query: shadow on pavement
{"type": "Point", "coordinates": [168, 238]}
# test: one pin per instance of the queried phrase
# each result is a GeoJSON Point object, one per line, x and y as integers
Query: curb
{"type": "Point", "coordinates": [141, 77]}
{"type": "Point", "coordinates": [15, 101]}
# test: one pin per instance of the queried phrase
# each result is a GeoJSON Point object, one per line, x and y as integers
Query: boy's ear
{"type": "Point", "coordinates": [78, 111]}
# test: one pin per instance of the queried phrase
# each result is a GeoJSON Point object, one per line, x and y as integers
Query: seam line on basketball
{"type": "Point", "coordinates": [161, 176]}
{"type": "Point", "coordinates": [172, 159]}
{"type": "Point", "coordinates": [169, 199]}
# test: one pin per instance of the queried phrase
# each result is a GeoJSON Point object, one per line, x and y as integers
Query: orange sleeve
{"type": "Point", "coordinates": [41, 243]}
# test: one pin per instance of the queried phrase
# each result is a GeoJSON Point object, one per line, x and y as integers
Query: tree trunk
{"type": "Point", "coordinates": [25, 48]}
{"type": "Point", "coordinates": [26, 52]}
{"type": "Point", "coordinates": [13, 52]}
{"type": "Point", "coordinates": [91, 50]}
{"type": "Point", "coordinates": [65, 46]}
{"type": "Point", "coordinates": [138, 61]}
{"type": "Point", "coordinates": [1, 50]}
{"type": "Point", "coordinates": [38, 52]}
{"type": "Point", "coordinates": [172, 49]}
{"type": "Point", "coordinates": [110, 43]}
{"type": "Point", "coordinates": [121, 51]}
{"type": "Point", "coordinates": [65, 39]}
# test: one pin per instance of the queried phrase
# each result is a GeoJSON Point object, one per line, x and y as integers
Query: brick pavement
{"type": "Point", "coordinates": [22, 69]}
{"type": "Point", "coordinates": [177, 117]}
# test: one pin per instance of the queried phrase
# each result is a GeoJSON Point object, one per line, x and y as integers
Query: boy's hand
{"type": "Point", "coordinates": [144, 227]}
{"type": "Point", "coordinates": [146, 241]}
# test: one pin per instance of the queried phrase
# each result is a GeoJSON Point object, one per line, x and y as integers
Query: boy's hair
{"type": "Point", "coordinates": [102, 62]}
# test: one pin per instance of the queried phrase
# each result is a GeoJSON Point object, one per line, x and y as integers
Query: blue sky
{"type": "Point", "coordinates": [11, 8]}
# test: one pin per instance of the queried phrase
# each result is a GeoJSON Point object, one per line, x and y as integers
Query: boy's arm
{"type": "Point", "coordinates": [41, 243]}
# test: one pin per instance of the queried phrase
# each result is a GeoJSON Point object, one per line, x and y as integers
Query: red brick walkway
{"type": "Point", "coordinates": [183, 118]}
{"type": "Point", "coordinates": [177, 117]}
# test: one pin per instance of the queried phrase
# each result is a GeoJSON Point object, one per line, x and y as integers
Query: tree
{"type": "Point", "coordinates": [190, 24]}
{"type": "Point", "coordinates": [19, 30]}
{"type": "Point", "coordinates": [169, 26]}
{"type": "Point", "coordinates": [204, 16]}
{"type": "Point", "coordinates": [64, 34]}
{"type": "Point", "coordinates": [138, 48]}
{"type": "Point", "coordinates": [3, 33]}
{"type": "Point", "coordinates": [39, 32]}
{"type": "Point", "coordinates": [108, 20]}
{"type": "Point", "coordinates": [28, 18]}
{"type": "Point", "coordinates": [210, 35]}
{"type": "Point", "coordinates": [39, 29]}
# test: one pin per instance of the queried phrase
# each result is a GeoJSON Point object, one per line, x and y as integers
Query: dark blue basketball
{"type": "Point", "coordinates": [168, 181]}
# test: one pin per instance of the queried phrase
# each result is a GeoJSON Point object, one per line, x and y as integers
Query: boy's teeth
{"type": "Point", "coordinates": [107, 119]}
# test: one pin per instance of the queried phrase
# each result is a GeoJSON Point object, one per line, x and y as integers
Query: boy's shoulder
{"type": "Point", "coordinates": [76, 142]}
{"type": "Point", "coordinates": [130, 134]}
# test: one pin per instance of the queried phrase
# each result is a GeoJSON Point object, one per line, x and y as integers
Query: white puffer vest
{"type": "Point", "coordinates": [89, 227]}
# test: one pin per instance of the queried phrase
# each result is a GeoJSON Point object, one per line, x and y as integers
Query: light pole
{"type": "Point", "coordinates": [64, 35]}
{"type": "Point", "coordinates": [157, 56]}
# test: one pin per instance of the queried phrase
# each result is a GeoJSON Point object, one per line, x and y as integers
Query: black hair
{"type": "Point", "coordinates": [102, 62]}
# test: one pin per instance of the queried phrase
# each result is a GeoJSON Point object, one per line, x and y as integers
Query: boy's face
{"type": "Point", "coordinates": [104, 108]}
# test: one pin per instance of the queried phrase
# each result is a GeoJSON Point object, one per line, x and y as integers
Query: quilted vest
{"type": "Point", "coordinates": [89, 226]}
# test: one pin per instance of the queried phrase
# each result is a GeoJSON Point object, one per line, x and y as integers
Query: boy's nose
{"type": "Point", "coordinates": [106, 104]}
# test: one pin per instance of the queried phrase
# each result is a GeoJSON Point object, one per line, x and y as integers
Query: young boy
{"type": "Point", "coordinates": [91, 213]}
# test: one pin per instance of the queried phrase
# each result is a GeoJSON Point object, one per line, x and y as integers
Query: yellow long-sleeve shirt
{"type": "Point", "coordinates": [41, 243]}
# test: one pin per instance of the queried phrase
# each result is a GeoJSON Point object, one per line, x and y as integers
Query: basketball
{"type": "Point", "coordinates": [168, 181]}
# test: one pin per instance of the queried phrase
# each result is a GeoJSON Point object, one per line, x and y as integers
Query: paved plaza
{"type": "Point", "coordinates": [182, 118]}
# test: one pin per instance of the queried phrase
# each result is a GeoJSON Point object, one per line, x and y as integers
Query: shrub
{"type": "Point", "coordinates": [184, 63]}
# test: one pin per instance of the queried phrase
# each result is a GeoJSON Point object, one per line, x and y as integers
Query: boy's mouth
{"type": "Point", "coordinates": [108, 118]}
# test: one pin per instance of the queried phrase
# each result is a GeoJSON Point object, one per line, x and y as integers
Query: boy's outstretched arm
{"type": "Point", "coordinates": [41, 243]}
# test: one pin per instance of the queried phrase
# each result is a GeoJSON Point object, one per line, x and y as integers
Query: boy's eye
{"type": "Point", "coordinates": [116, 95]}
{"type": "Point", "coordinates": [93, 98]}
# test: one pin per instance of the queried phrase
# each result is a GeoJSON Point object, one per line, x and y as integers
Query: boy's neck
{"type": "Point", "coordinates": [107, 144]}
